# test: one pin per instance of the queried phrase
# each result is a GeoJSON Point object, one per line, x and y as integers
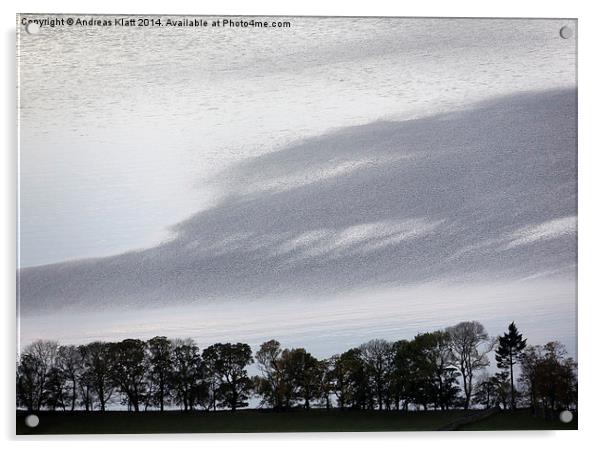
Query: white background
{"type": "Point", "coordinates": [590, 367]}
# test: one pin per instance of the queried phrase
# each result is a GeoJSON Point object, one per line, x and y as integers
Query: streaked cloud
{"type": "Point", "coordinates": [547, 230]}
{"type": "Point", "coordinates": [357, 239]}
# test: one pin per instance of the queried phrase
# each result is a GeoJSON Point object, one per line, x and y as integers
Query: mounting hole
{"type": "Point", "coordinates": [32, 28]}
{"type": "Point", "coordinates": [566, 416]}
{"type": "Point", "coordinates": [566, 32]}
{"type": "Point", "coordinates": [32, 421]}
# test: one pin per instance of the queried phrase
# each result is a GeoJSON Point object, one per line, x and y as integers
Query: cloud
{"type": "Point", "coordinates": [440, 198]}
{"type": "Point", "coordinates": [311, 175]}
{"type": "Point", "coordinates": [357, 239]}
{"type": "Point", "coordinates": [548, 230]}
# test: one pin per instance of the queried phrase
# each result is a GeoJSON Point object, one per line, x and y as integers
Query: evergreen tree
{"type": "Point", "coordinates": [510, 346]}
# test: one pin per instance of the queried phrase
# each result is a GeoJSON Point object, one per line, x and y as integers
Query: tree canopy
{"type": "Point", "coordinates": [443, 369]}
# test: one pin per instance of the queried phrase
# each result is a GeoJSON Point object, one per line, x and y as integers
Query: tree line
{"type": "Point", "coordinates": [435, 370]}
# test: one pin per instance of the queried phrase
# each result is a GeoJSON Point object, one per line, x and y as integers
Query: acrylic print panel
{"type": "Point", "coordinates": [257, 224]}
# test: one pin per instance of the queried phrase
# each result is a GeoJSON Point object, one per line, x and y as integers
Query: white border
{"type": "Point", "coordinates": [590, 224]}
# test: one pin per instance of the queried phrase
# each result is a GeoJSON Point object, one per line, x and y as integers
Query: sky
{"type": "Point", "coordinates": [123, 131]}
{"type": "Point", "coordinates": [340, 180]}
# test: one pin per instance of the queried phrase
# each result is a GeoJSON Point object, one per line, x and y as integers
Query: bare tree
{"type": "Point", "coordinates": [37, 360]}
{"type": "Point", "coordinates": [469, 344]}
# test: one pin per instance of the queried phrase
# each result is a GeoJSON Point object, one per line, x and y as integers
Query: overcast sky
{"type": "Point", "coordinates": [124, 132]}
{"type": "Point", "coordinates": [336, 181]}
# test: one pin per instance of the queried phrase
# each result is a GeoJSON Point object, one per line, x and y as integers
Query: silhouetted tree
{"type": "Point", "coordinates": [502, 389]}
{"type": "Point", "coordinates": [484, 393]}
{"type": "Point", "coordinates": [36, 362]}
{"type": "Point", "coordinates": [269, 385]}
{"type": "Point", "coordinates": [86, 389]}
{"type": "Point", "coordinates": [419, 373]}
{"type": "Point", "coordinates": [469, 345]}
{"type": "Point", "coordinates": [423, 372]}
{"type": "Point", "coordinates": [510, 346]}
{"type": "Point", "coordinates": [493, 391]}
{"type": "Point", "coordinates": [439, 368]}
{"type": "Point", "coordinates": [550, 377]}
{"type": "Point", "coordinates": [128, 369]}
{"type": "Point", "coordinates": [377, 356]}
{"type": "Point", "coordinates": [54, 389]}
{"type": "Point", "coordinates": [188, 374]}
{"type": "Point", "coordinates": [301, 371]}
{"type": "Point", "coordinates": [351, 383]}
{"type": "Point", "coordinates": [160, 368]}
{"type": "Point", "coordinates": [30, 376]}
{"type": "Point", "coordinates": [325, 381]}
{"type": "Point", "coordinates": [69, 361]}
{"type": "Point", "coordinates": [290, 375]}
{"type": "Point", "coordinates": [229, 362]}
{"type": "Point", "coordinates": [212, 379]}
{"type": "Point", "coordinates": [97, 364]}
{"type": "Point", "coordinates": [402, 379]}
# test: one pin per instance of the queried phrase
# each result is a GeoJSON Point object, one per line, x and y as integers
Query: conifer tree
{"type": "Point", "coordinates": [509, 347]}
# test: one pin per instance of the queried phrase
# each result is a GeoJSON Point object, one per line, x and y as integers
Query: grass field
{"type": "Point", "coordinates": [519, 420]}
{"type": "Point", "coordinates": [267, 421]}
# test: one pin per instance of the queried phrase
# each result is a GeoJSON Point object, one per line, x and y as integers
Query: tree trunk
{"type": "Point", "coordinates": [512, 404]}
{"type": "Point", "coordinates": [73, 396]}
{"type": "Point", "coordinates": [161, 395]}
